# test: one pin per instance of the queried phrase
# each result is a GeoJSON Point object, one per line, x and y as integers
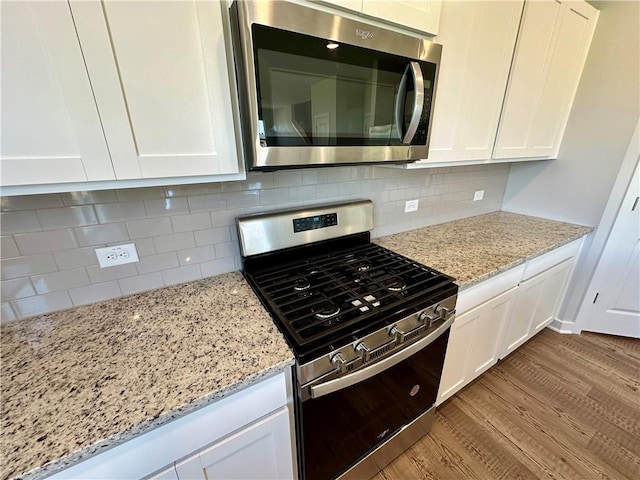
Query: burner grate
{"type": "Point", "coordinates": [320, 295]}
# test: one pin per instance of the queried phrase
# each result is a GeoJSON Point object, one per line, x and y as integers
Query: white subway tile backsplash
{"type": "Point", "coordinates": [167, 206]}
{"type": "Point", "coordinates": [8, 247]}
{"type": "Point", "coordinates": [172, 243]}
{"type": "Point", "coordinates": [157, 263]}
{"type": "Point", "coordinates": [19, 222]}
{"type": "Point", "coordinates": [6, 313]}
{"type": "Point", "coordinates": [145, 247]}
{"type": "Point", "coordinates": [247, 198]}
{"type": "Point", "coordinates": [52, 218]}
{"type": "Point", "coordinates": [98, 275]}
{"type": "Point", "coordinates": [217, 267]}
{"type": "Point", "coordinates": [31, 202]}
{"type": "Point", "coordinates": [226, 249]}
{"type": "Point", "coordinates": [101, 234]}
{"type": "Point", "coordinates": [89, 198]}
{"type": "Point", "coordinates": [17, 288]}
{"type": "Point", "coordinates": [49, 241]}
{"type": "Point", "coordinates": [181, 274]}
{"type": "Point", "coordinates": [64, 280]}
{"type": "Point", "coordinates": [184, 232]}
{"type": "Point", "coordinates": [141, 283]}
{"type": "Point", "coordinates": [28, 265]}
{"type": "Point", "coordinates": [119, 212]}
{"type": "Point", "coordinates": [287, 178]}
{"type": "Point", "coordinates": [95, 293]}
{"type": "Point", "coordinates": [133, 194]}
{"type": "Point", "coordinates": [191, 222]}
{"type": "Point", "coordinates": [215, 201]}
{"type": "Point", "coordinates": [212, 235]}
{"type": "Point", "coordinates": [197, 254]}
{"type": "Point", "coordinates": [49, 302]}
{"type": "Point", "coordinates": [185, 190]}
{"type": "Point", "coordinates": [151, 227]}
{"type": "Point", "coordinates": [274, 196]}
{"type": "Point", "coordinates": [315, 176]}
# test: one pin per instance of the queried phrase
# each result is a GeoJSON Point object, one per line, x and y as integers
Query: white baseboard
{"type": "Point", "coordinates": [562, 326]}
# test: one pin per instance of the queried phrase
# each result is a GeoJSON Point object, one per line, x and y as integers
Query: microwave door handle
{"type": "Point", "coordinates": [418, 102]}
{"type": "Point", "coordinates": [400, 102]}
{"type": "Point", "coordinates": [325, 388]}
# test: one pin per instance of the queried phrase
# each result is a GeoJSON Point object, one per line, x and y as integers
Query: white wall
{"type": "Point", "coordinates": [575, 187]}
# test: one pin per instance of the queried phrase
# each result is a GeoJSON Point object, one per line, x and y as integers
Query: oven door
{"type": "Point", "coordinates": [345, 419]}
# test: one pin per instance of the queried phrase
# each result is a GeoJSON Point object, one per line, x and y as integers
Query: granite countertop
{"type": "Point", "coordinates": [476, 248]}
{"type": "Point", "coordinates": [77, 381]}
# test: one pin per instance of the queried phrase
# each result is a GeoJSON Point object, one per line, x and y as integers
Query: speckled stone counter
{"type": "Point", "coordinates": [476, 248]}
{"type": "Point", "coordinates": [77, 381]}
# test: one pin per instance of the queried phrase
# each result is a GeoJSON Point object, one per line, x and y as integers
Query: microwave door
{"type": "Point", "coordinates": [412, 99]}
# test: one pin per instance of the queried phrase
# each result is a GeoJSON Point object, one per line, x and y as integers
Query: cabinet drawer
{"type": "Point", "coordinates": [547, 260]}
{"type": "Point", "coordinates": [486, 290]}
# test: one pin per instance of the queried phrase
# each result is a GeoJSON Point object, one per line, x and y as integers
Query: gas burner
{"type": "Point", "coordinates": [325, 310]}
{"type": "Point", "coordinates": [301, 284]}
{"type": "Point", "coordinates": [393, 284]}
{"type": "Point", "coordinates": [362, 266]}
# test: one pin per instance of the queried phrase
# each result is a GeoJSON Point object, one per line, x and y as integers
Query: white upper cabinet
{"type": "Point", "coordinates": [478, 39]}
{"type": "Point", "coordinates": [421, 15]}
{"type": "Point", "coordinates": [115, 94]}
{"type": "Point", "coordinates": [159, 73]}
{"type": "Point", "coordinates": [51, 130]}
{"type": "Point", "coordinates": [550, 54]}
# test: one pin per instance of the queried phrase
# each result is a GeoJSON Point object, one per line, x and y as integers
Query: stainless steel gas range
{"type": "Point", "coordinates": [369, 329]}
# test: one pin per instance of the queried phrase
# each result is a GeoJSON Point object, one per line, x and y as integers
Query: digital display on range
{"type": "Point", "coordinates": [315, 222]}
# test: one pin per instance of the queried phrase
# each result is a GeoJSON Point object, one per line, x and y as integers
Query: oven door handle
{"type": "Point", "coordinates": [331, 386]}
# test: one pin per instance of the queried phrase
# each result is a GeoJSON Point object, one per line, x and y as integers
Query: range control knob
{"type": "Point", "coordinates": [428, 318]}
{"type": "Point", "coordinates": [443, 312]}
{"type": "Point", "coordinates": [338, 361]}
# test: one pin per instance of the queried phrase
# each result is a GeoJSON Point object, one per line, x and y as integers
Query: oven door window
{"type": "Point", "coordinates": [340, 428]}
{"type": "Point", "coordinates": [315, 92]}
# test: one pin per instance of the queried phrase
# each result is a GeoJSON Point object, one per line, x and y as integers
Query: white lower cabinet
{"type": "Point", "coordinates": [474, 343]}
{"type": "Point", "coordinates": [246, 435]}
{"type": "Point", "coordinates": [535, 306]}
{"type": "Point", "coordinates": [260, 451]}
{"type": "Point", "coordinates": [500, 314]}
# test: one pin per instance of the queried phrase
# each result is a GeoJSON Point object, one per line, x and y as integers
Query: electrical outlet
{"type": "Point", "coordinates": [118, 255]}
{"type": "Point", "coordinates": [479, 195]}
{"type": "Point", "coordinates": [410, 206]}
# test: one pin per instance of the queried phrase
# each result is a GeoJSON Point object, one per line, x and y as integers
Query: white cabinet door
{"type": "Point", "coordinates": [536, 305]}
{"type": "Point", "coordinates": [422, 15]}
{"type": "Point", "coordinates": [260, 451]}
{"type": "Point", "coordinates": [454, 372]}
{"type": "Point", "coordinates": [478, 39]}
{"type": "Point", "coordinates": [168, 474]}
{"type": "Point", "coordinates": [51, 131]}
{"type": "Point", "coordinates": [487, 340]}
{"type": "Point", "coordinates": [550, 54]}
{"type": "Point", "coordinates": [160, 78]}
{"type": "Point", "coordinates": [353, 5]}
{"type": "Point", "coordinates": [474, 343]}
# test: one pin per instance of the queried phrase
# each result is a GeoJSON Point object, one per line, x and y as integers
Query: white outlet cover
{"type": "Point", "coordinates": [479, 195]}
{"type": "Point", "coordinates": [410, 206]}
{"type": "Point", "coordinates": [118, 255]}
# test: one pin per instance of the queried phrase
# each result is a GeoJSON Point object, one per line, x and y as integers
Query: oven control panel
{"type": "Point", "coordinates": [314, 222]}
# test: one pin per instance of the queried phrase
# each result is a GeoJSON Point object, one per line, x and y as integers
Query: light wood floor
{"type": "Point", "coordinates": [561, 406]}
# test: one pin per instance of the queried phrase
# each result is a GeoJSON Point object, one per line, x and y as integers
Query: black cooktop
{"type": "Point", "coordinates": [323, 294]}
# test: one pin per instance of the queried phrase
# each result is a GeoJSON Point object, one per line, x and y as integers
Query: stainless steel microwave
{"type": "Point", "coordinates": [317, 89]}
